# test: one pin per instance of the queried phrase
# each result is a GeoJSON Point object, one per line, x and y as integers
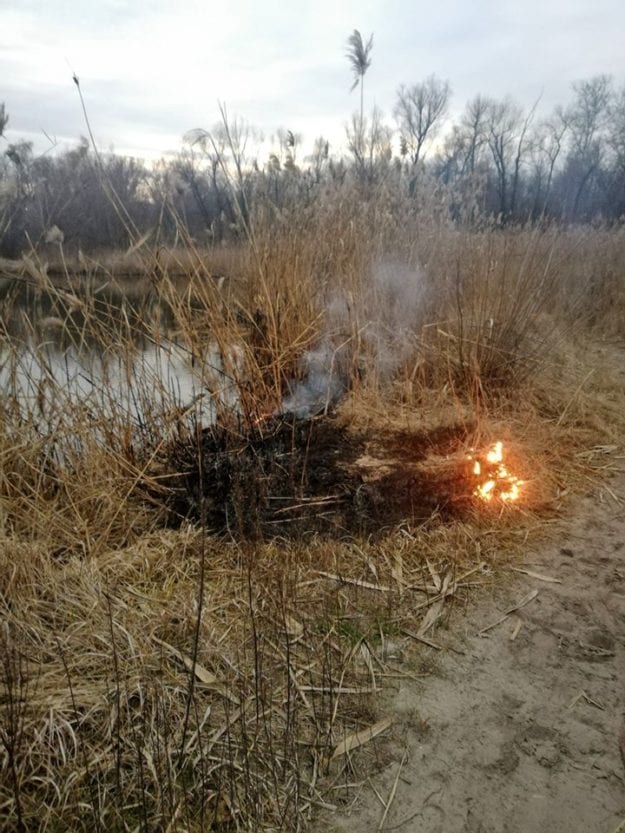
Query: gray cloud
{"type": "Point", "coordinates": [152, 70]}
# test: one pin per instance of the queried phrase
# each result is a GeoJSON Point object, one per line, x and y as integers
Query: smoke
{"type": "Point", "coordinates": [373, 333]}
{"type": "Point", "coordinates": [395, 305]}
{"type": "Point", "coordinates": [326, 380]}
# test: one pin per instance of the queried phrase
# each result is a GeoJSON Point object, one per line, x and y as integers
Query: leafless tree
{"type": "Point", "coordinates": [616, 129]}
{"type": "Point", "coordinates": [474, 126]}
{"type": "Point", "coordinates": [522, 146]}
{"type": "Point", "coordinates": [504, 119]}
{"type": "Point", "coordinates": [369, 142]}
{"type": "Point", "coordinates": [589, 113]}
{"type": "Point", "coordinates": [616, 145]}
{"type": "Point", "coordinates": [588, 118]}
{"type": "Point", "coordinates": [419, 111]}
{"type": "Point", "coordinates": [547, 148]}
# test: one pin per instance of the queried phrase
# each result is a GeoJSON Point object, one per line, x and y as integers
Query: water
{"type": "Point", "coordinates": [122, 360]}
{"type": "Point", "coordinates": [43, 376]}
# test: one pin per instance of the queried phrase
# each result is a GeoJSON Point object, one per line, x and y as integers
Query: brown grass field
{"type": "Point", "coordinates": [195, 621]}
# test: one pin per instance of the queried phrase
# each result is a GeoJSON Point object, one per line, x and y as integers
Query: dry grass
{"type": "Point", "coordinates": [158, 678]}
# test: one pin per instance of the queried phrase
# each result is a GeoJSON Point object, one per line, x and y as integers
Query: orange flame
{"type": "Point", "coordinates": [261, 418]}
{"type": "Point", "coordinates": [494, 479]}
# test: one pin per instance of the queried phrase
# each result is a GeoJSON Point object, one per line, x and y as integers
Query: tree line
{"type": "Point", "coordinates": [495, 162]}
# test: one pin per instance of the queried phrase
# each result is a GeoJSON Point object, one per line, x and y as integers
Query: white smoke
{"type": "Point", "coordinates": [325, 381]}
{"type": "Point", "coordinates": [395, 303]}
{"type": "Point", "coordinates": [377, 331]}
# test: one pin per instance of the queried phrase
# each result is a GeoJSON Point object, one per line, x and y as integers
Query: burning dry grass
{"type": "Point", "coordinates": [219, 675]}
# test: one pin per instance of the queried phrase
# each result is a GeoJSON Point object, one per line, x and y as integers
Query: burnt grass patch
{"type": "Point", "coordinates": [291, 477]}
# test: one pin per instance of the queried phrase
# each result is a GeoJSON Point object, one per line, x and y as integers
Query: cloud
{"type": "Point", "coordinates": [150, 71]}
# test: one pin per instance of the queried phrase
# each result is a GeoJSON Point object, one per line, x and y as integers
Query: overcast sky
{"type": "Point", "coordinates": [152, 69]}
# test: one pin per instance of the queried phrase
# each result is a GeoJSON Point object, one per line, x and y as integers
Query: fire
{"type": "Point", "coordinates": [493, 478]}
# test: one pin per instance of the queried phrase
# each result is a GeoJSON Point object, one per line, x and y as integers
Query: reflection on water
{"type": "Point", "coordinates": [106, 359]}
{"type": "Point", "coordinates": [159, 378]}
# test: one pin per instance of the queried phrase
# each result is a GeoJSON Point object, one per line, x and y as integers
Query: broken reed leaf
{"type": "Point", "coordinates": [397, 572]}
{"type": "Point", "coordinates": [317, 689]}
{"type": "Point", "coordinates": [597, 449]}
{"type": "Point", "coordinates": [435, 576]}
{"type": "Point", "coordinates": [594, 703]}
{"type": "Point", "coordinates": [537, 576]}
{"type": "Point", "coordinates": [450, 590]}
{"type": "Point", "coordinates": [515, 630]}
{"type": "Point", "coordinates": [360, 738]}
{"type": "Point", "coordinates": [294, 629]}
{"type": "Point", "coordinates": [393, 793]}
{"type": "Point", "coordinates": [431, 617]}
{"type": "Point", "coordinates": [583, 696]}
{"type": "Point", "coordinates": [524, 601]}
{"type": "Point", "coordinates": [420, 638]}
{"type": "Point", "coordinates": [205, 676]}
{"type": "Point", "coordinates": [367, 585]}
{"type": "Point", "coordinates": [367, 657]}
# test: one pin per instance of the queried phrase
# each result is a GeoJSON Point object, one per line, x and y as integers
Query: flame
{"type": "Point", "coordinates": [495, 455]}
{"type": "Point", "coordinates": [262, 418]}
{"type": "Point", "coordinates": [494, 479]}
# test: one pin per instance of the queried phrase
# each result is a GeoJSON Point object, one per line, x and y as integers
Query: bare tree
{"type": "Point", "coordinates": [461, 151]}
{"type": "Point", "coordinates": [504, 119]}
{"type": "Point", "coordinates": [616, 130]}
{"type": "Point", "coordinates": [519, 154]}
{"type": "Point", "coordinates": [589, 112]}
{"type": "Point", "coordinates": [370, 145]}
{"type": "Point", "coordinates": [548, 146]}
{"type": "Point", "coordinates": [448, 163]}
{"type": "Point", "coordinates": [588, 119]}
{"type": "Point", "coordinates": [474, 126]}
{"type": "Point", "coordinates": [616, 144]}
{"type": "Point", "coordinates": [419, 111]}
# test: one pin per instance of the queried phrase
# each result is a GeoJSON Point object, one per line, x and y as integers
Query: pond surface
{"type": "Point", "coordinates": [42, 376]}
{"type": "Point", "coordinates": [121, 358]}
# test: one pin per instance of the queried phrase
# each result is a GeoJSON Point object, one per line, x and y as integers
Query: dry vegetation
{"type": "Point", "coordinates": [163, 671]}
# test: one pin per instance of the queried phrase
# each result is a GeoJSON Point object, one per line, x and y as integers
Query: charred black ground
{"type": "Point", "coordinates": [288, 476]}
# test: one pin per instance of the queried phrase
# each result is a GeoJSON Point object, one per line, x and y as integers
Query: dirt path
{"type": "Point", "coordinates": [523, 734]}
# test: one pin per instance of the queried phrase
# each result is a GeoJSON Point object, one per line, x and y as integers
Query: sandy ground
{"type": "Point", "coordinates": [520, 729]}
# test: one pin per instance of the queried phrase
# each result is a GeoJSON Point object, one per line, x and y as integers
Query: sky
{"type": "Point", "coordinates": [151, 70]}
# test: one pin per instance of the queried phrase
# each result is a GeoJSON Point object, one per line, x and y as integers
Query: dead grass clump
{"type": "Point", "coordinates": [67, 489]}
{"type": "Point", "coordinates": [140, 709]}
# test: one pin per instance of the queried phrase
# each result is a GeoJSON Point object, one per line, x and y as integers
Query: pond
{"type": "Point", "coordinates": [121, 356]}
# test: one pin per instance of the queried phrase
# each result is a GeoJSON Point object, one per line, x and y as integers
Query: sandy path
{"type": "Point", "coordinates": [520, 735]}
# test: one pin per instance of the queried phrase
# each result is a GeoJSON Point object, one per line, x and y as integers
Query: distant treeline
{"type": "Point", "coordinates": [497, 163]}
